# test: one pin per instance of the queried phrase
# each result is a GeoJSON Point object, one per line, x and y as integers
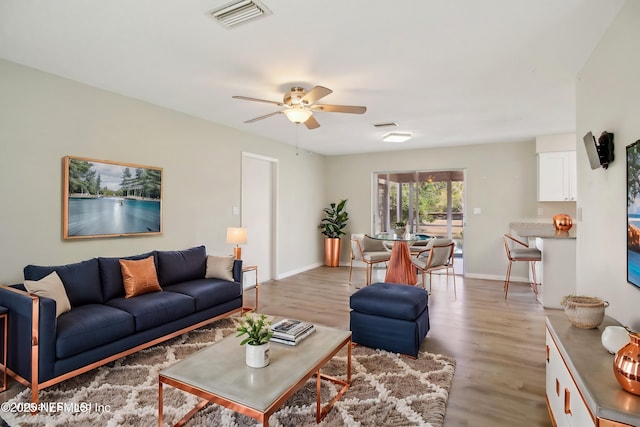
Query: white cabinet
{"type": "Point", "coordinates": [566, 403]}
{"type": "Point", "coordinates": [557, 176]}
{"type": "Point", "coordinates": [557, 271]}
{"type": "Point", "coordinates": [581, 387]}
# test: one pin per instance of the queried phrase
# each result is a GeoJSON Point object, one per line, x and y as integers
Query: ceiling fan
{"type": "Point", "coordinates": [300, 106]}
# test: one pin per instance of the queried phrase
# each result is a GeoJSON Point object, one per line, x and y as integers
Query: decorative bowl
{"type": "Point", "coordinates": [584, 312]}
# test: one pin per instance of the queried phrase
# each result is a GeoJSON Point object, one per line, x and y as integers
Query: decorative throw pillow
{"type": "Point", "coordinates": [50, 286]}
{"type": "Point", "coordinates": [220, 267]}
{"type": "Point", "coordinates": [139, 277]}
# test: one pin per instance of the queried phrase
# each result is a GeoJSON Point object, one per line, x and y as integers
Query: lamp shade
{"type": "Point", "coordinates": [236, 235]}
{"type": "Point", "coordinates": [297, 115]}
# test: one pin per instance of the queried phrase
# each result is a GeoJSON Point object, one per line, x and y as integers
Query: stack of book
{"type": "Point", "coordinates": [291, 332]}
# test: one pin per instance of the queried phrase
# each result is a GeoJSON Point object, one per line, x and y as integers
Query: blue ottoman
{"type": "Point", "coordinates": [390, 316]}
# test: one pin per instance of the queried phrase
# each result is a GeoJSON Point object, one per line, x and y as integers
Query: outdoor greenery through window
{"type": "Point", "coordinates": [428, 202]}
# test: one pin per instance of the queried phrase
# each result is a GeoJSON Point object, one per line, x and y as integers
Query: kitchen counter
{"type": "Point", "coordinates": [542, 229]}
{"type": "Point", "coordinates": [557, 271]}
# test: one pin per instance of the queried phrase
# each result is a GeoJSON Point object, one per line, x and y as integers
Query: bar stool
{"type": "Point", "coordinates": [520, 251]}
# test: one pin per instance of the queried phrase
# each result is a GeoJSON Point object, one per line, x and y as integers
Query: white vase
{"type": "Point", "coordinates": [257, 356]}
{"type": "Point", "coordinates": [614, 338]}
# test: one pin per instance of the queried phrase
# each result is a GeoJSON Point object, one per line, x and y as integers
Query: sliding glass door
{"type": "Point", "coordinates": [429, 202]}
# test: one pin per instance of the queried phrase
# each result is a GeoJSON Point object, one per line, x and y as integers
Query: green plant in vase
{"type": "Point", "coordinates": [332, 226]}
{"type": "Point", "coordinates": [257, 327]}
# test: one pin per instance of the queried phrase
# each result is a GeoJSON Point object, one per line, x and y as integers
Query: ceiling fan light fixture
{"type": "Point", "coordinates": [397, 137]}
{"type": "Point", "coordinates": [297, 115]}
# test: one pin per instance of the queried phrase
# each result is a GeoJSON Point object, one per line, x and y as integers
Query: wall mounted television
{"type": "Point", "coordinates": [633, 214]}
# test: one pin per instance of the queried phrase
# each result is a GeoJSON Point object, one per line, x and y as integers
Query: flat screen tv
{"type": "Point", "coordinates": [633, 213]}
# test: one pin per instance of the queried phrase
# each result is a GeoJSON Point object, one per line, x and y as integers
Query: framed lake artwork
{"type": "Point", "coordinates": [633, 213]}
{"type": "Point", "coordinates": [110, 199]}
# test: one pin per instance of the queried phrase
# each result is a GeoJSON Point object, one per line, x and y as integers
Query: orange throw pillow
{"type": "Point", "coordinates": [139, 277]}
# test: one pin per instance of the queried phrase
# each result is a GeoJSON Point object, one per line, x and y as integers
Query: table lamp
{"type": "Point", "coordinates": [237, 236]}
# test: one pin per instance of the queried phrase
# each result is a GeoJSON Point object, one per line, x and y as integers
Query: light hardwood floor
{"type": "Point", "coordinates": [499, 345]}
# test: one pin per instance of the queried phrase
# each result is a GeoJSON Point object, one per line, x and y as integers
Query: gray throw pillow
{"type": "Point", "coordinates": [51, 287]}
{"type": "Point", "coordinates": [220, 267]}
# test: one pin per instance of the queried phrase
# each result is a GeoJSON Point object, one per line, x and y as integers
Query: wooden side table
{"type": "Point", "coordinates": [244, 270]}
{"type": "Point", "coordinates": [4, 315]}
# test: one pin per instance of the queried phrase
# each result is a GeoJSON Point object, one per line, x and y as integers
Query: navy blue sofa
{"type": "Point", "coordinates": [102, 324]}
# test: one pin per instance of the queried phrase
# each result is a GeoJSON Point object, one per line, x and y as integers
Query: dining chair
{"type": "Point", "coordinates": [437, 255]}
{"type": "Point", "coordinates": [520, 251]}
{"type": "Point", "coordinates": [367, 250]}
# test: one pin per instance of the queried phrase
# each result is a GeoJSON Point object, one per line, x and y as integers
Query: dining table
{"type": "Point", "coordinates": [400, 269]}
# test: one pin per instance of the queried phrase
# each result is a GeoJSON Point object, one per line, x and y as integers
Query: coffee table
{"type": "Point", "coordinates": [218, 374]}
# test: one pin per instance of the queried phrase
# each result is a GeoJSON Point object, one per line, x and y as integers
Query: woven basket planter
{"type": "Point", "coordinates": [584, 312]}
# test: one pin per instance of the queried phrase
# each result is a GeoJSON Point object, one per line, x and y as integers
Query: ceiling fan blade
{"type": "Point", "coordinates": [311, 123]}
{"type": "Point", "coordinates": [315, 94]}
{"type": "Point", "coordinates": [246, 98]}
{"type": "Point", "coordinates": [266, 116]}
{"type": "Point", "coordinates": [353, 109]}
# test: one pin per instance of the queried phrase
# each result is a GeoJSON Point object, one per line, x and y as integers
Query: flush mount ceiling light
{"type": "Point", "coordinates": [297, 114]}
{"type": "Point", "coordinates": [396, 136]}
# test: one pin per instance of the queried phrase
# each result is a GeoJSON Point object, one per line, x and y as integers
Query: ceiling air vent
{"type": "Point", "coordinates": [238, 12]}
{"type": "Point", "coordinates": [385, 125]}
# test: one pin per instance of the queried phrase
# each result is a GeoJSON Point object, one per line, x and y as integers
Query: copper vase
{"type": "Point", "coordinates": [626, 365]}
{"type": "Point", "coordinates": [562, 222]}
{"type": "Point", "coordinates": [332, 252]}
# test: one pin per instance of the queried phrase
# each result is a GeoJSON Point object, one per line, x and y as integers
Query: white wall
{"type": "Point", "coordinates": [500, 179]}
{"type": "Point", "coordinates": [607, 98]}
{"type": "Point", "coordinates": [44, 118]}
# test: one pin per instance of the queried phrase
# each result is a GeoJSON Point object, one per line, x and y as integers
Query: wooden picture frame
{"type": "Point", "coordinates": [103, 198]}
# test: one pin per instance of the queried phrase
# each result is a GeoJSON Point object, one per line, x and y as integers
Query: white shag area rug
{"type": "Point", "coordinates": [386, 390]}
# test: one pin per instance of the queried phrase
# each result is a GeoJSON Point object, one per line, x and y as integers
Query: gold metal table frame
{"type": "Point", "coordinates": [263, 415]}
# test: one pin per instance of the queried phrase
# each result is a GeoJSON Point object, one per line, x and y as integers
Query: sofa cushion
{"type": "Point", "coordinates": [81, 280]}
{"type": "Point", "coordinates": [158, 308]}
{"type": "Point", "coordinates": [51, 287]}
{"type": "Point", "coordinates": [208, 292]}
{"type": "Point", "coordinates": [111, 274]}
{"type": "Point", "coordinates": [220, 267]}
{"type": "Point", "coordinates": [181, 266]}
{"type": "Point", "coordinates": [139, 277]}
{"type": "Point", "coordinates": [90, 326]}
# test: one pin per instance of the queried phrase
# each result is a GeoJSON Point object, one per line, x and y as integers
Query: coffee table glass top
{"type": "Point", "coordinates": [220, 369]}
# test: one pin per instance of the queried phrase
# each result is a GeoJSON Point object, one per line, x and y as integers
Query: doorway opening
{"type": "Point", "coordinates": [428, 202]}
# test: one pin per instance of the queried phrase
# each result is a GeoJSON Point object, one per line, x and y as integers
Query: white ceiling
{"type": "Point", "coordinates": [452, 72]}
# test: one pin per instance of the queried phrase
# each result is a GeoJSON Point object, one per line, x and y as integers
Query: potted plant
{"type": "Point", "coordinates": [332, 226]}
{"type": "Point", "coordinates": [257, 327]}
{"type": "Point", "coordinates": [400, 227]}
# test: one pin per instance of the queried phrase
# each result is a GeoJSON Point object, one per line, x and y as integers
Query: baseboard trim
{"type": "Point", "coordinates": [495, 277]}
{"type": "Point", "coordinates": [298, 270]}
